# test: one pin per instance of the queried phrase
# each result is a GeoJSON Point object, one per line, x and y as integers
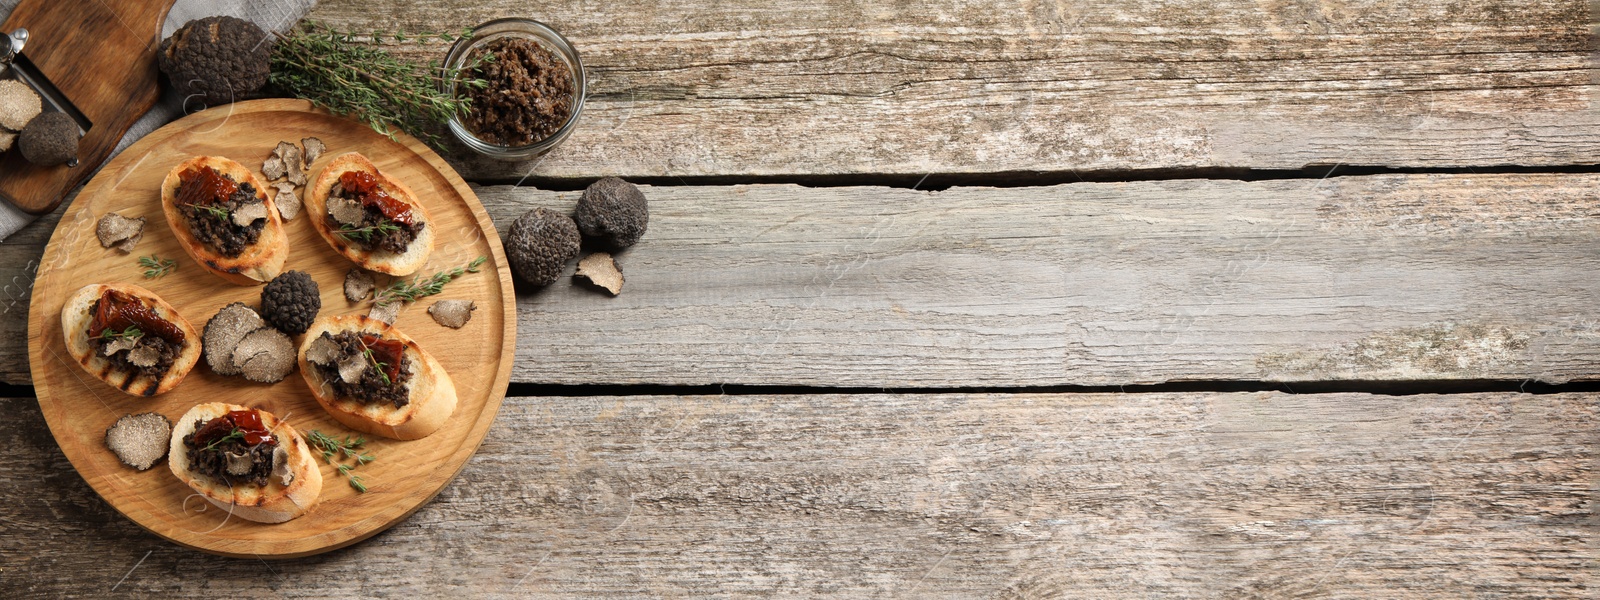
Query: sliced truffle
{"type": "Point", "coordinates": [216, 60]}
{"type": "Point", "coordinates": [280, 465]}
{"type": "Point", "coordinates": [287, 201]}
{"type": "Point", "coordinates": [602, 271]}
{"type": "Point", "coordinates": [18, 105]}
{"type": "Point", "coordinates": [115, 230]}
{"type": "Point", "coordinates": [141, 440]}
{"type": "Point", "coordinates": [612, 213]}
{"type": "Point", "coordinates": [314, 148]}
{"type": "Point", "coordinates": [144, 356]}
{"type": "Point", "coordinates": [119, 344]}
{"type": "Point", "coordinates": [452, 313]}
{"type": "Point", "coordinates": [386, 312]}
{"type": "Point", "coordinates": [322, 351]}
{"type": "Point", "coordinates": [272, 168]}
{"type": "Point", "coordinates": [291, 301]}
{"type": "Point", "coordinates": [358, 284]}
{"type": "Point", "coordinates": [351, 368]}
{"type": "Point", "coordinates": [224, 332]}
{"type": "Point", "coordinates": [540, 243]}
{"type": "Point", "coordinates": [293, 165]}
{"type": "Point", "coordinates": [248, 213]}
{"type": "Point", "coordinates": [50, 139]}
{"type": "Point", "coordinates": [266, 355]}
{"type": "Point", "coordinates": [345, 210]}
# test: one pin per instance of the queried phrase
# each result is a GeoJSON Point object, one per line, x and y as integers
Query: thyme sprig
{"type": "Point", "coordinates": [335, 451]}
{"type": "Point", "coordinates": [155, 266]}
{"type": "Point", "coordinates": [236, 434]}
{"type": "Point", "coordinates": [220, 212]}
{"type": "Point", "coordinates": [377, 365]}
{"type": "Point", "coordinates": [364, 234]}
{"type": "Point", "coordinates": [351, 75]}
{"type": "Point", "coordinates": [131, 333]}
{"type": "Point", "coordinates": [410, 291]}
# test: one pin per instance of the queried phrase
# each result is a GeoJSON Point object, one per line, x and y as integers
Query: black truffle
{"type": "Point", "coordinates": [290, 302]}
{"type": "Point", "coordinates": [217, 60]}
{"type": "Point", "coordinates": [50, 139]}
{"type": "Point", "coordinates": [540, 244]}
{"type": "Point", "coordinates": [612, 213]}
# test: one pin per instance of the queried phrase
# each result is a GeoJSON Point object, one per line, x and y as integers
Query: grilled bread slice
{"type": "Point", "coordinates": [382, 261]}
{"type": "Point", "coordinates": [430, 390]}
{"type": "Point", "coordinates": [259, 262]}
{"type": "Point", "coordinates": [274, 503]}
{"type": "Point", "coordinates": [78, 313]}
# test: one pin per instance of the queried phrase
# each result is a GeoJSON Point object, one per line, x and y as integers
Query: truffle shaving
{"type": "Point", "coordinates": [280, 465]}
{"type": "Point", "coordinates": [18, 105]}
{"type": "Point", "coordinates": [602, 271]}
{"type": "Point", "coordinates": [287, 200]}
{"type": "Point", "coordinates": [358, 284]}
{"type": "Point", "coordinates": [248, 213]}
{"type": "Point", "coordinates": [272, 168]}
{"type": "Point", "coordinates": [452, 313]}
{"type": "Point", "coordinates": [314, 148]}
{"type": "Point", "coordinates": [141, 440]}
{"type": "Point", "coordinates": [322, 351]}
{"type": "Point", "coordinates": [224, 332]}
{"type": "Point", "coordinates": [239, 464]}
{"type": "Point", "coordinates": [117, 231]}
{"type": "Point", "coordinates": [386, 312]}
{"type": "Point", "coordinates": [265, 356]}
{"type": "Point", "coordinates": [345, 210]}
{"type": "Point", "coordinates": [144, 356]}
{"type": "Point", "coordinates": [351, 368]}
{"type": "Point", "coordinates": [119, 344]}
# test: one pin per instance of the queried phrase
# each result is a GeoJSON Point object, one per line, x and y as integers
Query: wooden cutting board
{"type": "Point", "coordinates": [406, 475]}
{"type": "Point", "coordinates": [101, 55]}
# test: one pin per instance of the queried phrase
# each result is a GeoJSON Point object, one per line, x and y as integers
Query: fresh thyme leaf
{"type": "Point", "coordinates": [410, 291]}
{"type": "Point", "coordinates": [236, 434]}
{"type": "Point", "coordinates": [364, 234]}
{"type": "Point", "coordinates": [155, 266]}
{"type": "Point", "coordinates": [131, 333]}
{"type": "Point", "coordinates": [357, 78]}
{"type": "Point", "coordinates": [349, 447]}
{"type": "Point", "coordinates": [220, 212]}
{"type": "Point", "coordinates": [377, 365]}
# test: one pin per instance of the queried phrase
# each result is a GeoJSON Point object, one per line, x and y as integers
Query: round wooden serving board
{"type": "Point", "coordinates": [405, 475]}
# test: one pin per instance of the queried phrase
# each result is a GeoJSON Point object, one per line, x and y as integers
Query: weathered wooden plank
{"type": "Point", "coordinates": [747, 88]}
{"type": "Point", "coordinates": [1096, 495]}
{"type": "Point", "coordinates": [1348, 278]}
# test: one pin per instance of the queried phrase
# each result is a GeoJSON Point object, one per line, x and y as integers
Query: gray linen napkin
{"type": "Point", "coordinates": [273, 15]}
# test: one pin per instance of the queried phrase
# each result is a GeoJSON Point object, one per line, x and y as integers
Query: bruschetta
{"type": "Point", "coordinates": [369, 217]}
{"type": "Point", "coordinates": [246, 461]}
{"type": "Point", "coordinates": [220, 212]}
{"type": "Point", "coordinates": [129, 337]}
{"type": "Point", "coordinates": [375, 379]}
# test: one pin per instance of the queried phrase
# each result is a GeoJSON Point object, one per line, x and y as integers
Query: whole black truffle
{"type": "Point", "coordinates": [540, 244]}
{"type": "Point", "coordinates": [216, 59]}
{"type": "Point", "coordinates": [290, 302]}
{"type": "Point", "coordinates": [50, 139]}
{"type": "Point", "coordinates": [612, 213]}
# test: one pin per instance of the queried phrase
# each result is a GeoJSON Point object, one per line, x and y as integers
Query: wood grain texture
{"type": "Point", "coordinates": [1015, 496]}
{"type": "Point", "coordinates": [747, 88]}
{"type": "Point", "coordinates": [102, 56]}
{"type": "Point", "coordinates": [1421, 277]}
{"type": "Point", "coordinates": [80, 407]}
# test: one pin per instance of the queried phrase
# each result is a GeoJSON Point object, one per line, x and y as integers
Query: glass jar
{"type": "Point", "coordinates": [544, 36]}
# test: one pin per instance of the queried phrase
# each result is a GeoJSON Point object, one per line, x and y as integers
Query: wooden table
{"type": "Point", "coordinates": [1224, 299]}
